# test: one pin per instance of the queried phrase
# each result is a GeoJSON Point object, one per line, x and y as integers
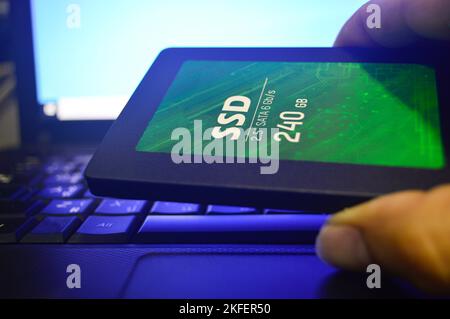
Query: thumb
{"type": "Point", "coordinates": [406, 233]}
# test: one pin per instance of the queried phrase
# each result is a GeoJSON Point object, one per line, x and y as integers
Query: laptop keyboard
{"type": "Point", "coordinates": [47, 201]}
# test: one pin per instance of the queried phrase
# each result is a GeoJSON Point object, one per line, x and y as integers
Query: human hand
{"type": "Point", "coordinates": [406, 233]}
{"type": "Point", "coordinates": [403, 23]}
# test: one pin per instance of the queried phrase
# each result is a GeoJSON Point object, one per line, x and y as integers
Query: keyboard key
{"type": "Point", "coordinates": [53, 229]}
{"type": "Point", "coordinates": [19, 209]}
{"type": "Point", "coordinates": [49, 168]}
{"type": "Point", "coordinates": [69, 191]}
{"type": "Point", "coordinates": [120, 206]}
{"type": "Point", "coordinates": [68, 207]}
{"type": "Point", "coordinates": [175, 208]}
{"type": "Point", "coordinates": [59, 167]}
{"type": "Point", "coordinates": [13, 229]}
{"type": "Point", "coordinates": [82, 159]}
{"type": "Point", "coordinates": [250, 229]}
{"type": "Point", "coordinates": [53, 168]}
{"type": "Point", "coordinates": [283, 211]}
{"type": "Point", "coordinates": [63, 178]}
{"type": "Point", "coordinates": [88, 194]}
{"type": "Point", "coordinates": [220, 209]}
{"type": "Point", "coordinates": [105, 229]}
{"type": "Point", "coordinates": [71, 166]}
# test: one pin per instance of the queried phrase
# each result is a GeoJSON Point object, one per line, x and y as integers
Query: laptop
{"type": "Point", "coordinates": [77, 64]}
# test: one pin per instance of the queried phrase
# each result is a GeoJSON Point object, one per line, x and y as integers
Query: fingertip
{"type": "Point", "coordinates": [352, 34]}
{"type": "Point", "coordinates": [343, 246]}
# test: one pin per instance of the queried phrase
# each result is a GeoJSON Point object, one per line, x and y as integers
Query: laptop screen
{"type": "Point", "coordinates": [91, 54]}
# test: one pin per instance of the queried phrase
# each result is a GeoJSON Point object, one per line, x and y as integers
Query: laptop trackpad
{"type": "Point", "coordinates": [227, 276]}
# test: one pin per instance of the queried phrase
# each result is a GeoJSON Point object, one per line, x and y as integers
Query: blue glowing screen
{"type": "Point", "coordinates": [89, 48]}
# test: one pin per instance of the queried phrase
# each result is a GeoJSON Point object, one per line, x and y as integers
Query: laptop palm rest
{"type": "Point", "coordinates": [237, 275]}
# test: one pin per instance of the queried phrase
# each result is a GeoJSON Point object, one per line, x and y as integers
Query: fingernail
{"type": "Point", "coordinates": [343, 246]}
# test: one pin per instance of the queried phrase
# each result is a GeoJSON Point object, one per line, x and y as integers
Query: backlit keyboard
{"type": "Point", "coordinates": [47, 201]}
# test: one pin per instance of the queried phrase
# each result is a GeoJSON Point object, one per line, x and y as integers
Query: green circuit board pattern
{"type": "Point", "coordinates": [358, 113]}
